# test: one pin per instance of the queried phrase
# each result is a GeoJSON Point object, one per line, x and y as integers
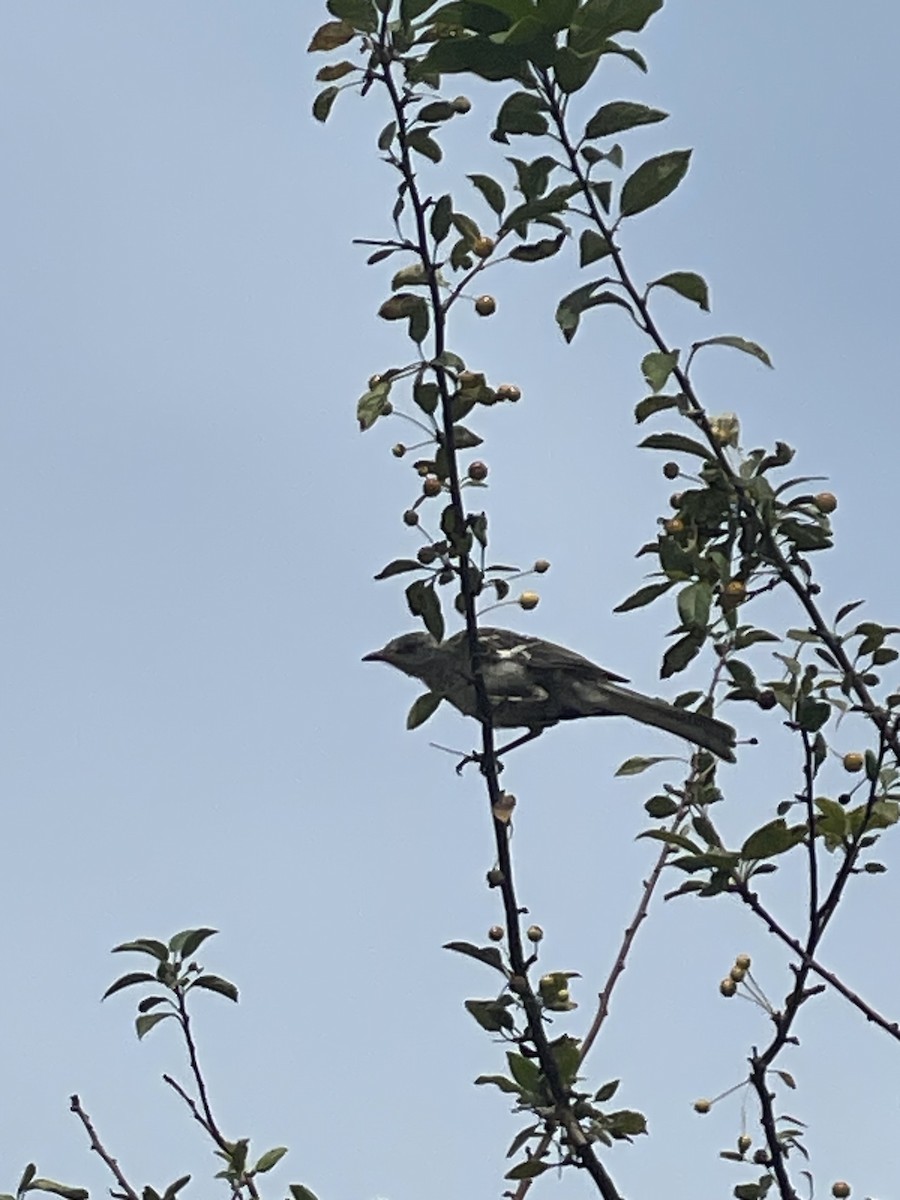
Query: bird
{"type": "Point", "coordinates": [535, 684]}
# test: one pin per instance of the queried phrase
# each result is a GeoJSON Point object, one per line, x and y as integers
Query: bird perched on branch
{"type": "Point", "coordinates": [534, 684]}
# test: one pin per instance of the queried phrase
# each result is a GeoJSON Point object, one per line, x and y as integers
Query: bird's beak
{"type": "Point", "coordinates": [375, 656]}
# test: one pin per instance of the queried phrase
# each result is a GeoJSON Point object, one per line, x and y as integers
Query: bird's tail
{"type": "Point", "coordinates": [713, 735]}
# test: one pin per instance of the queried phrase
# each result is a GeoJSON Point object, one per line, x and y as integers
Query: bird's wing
{"type": "Point", "coordinates": [540, 656]}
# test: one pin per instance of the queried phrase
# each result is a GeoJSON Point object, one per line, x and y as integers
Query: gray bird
{"type": "Point", "coordinates": [534, 684]}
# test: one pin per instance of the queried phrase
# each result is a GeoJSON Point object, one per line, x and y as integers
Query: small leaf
{"type": "Point", "coordinates": [634, 766]}
{"type": "Point", "coordinates": [297, 1190]}
{"type": "Point", "coordinates": [387, 135]}
{"type": "Point", "coordinates": [653, 181]}
{"type": "Point", "coordinates": [680, 654]}
{"type": "Point", "coordinates": [331, 35]}
{"type": "Point", "coordinates": [592, 246]}
{"type": "Point", "coordinates": [360, 13]}
{"type": "Point", "coordinates": [335, 71]}
{"type": "Point", "coordinates": [846, 609]}
{"type": "Point", "coordinates": [535, 251]}
{"type": "Point", "coordinates": [423, 602]}
{"type": "Point", "coordinates": [772, 839]}
{"type": "Point", "coordinates": [268, 1160]}
{"type": "Point", "coordinates": [693, 605]}
{"type": "Point", "coordinates": [529, 1169]}
{"type": "Point", "coordinates": [184, 944]}
{"type": "Point", "coordinates": [323, 103]}
{"type": "Point", "coordinates": [485, 954]}
{"type": "Point", "coordinates": [522, 112]}
{"type": "Point", "coordinates": [657, 367]}
{"type": "Point", "coordinates": [621, 115]}
{"type": "Point", "coordinates": [644, 595]}
{"type": "Point", "coordinates": [678, 442]}
{"type": "Point", "coordinates": [129, 980]}
{"type": "Point", "coordinates": [157, 950]}
{"type": "Point", "coordinates": [423, 143]}
{"type": "Point", "coordinates": [422, 708]}
{"type": "Point", "coordinates": [398, 567]}
{"type": "Point", "coordinates": [492, 192]}
{"type": "Point", "coordinates": [145, 1023]}
{"type": "Point", "coordinates": [58, 1189]}
{"type": "Point", "coordinates": [500, 1081]}
{"type": "Point", "coordinates": [653, 404]}
{"type": "Point", "coordinates": [441, 218]}
{"type": "Point", "coordinates": [738, 343]}
{"type": "Point", "coordinates": [687, 284]}
{"type": "Point", "coordinates": [492, 1015]}
{"type": "Point", "coordinates": [215, 983]}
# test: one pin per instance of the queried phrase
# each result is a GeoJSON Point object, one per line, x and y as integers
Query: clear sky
{"type": "Point", "coordinates": [190, 525]}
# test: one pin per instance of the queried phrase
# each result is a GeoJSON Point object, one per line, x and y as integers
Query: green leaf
{"type": "Point", "coordinates": [145, 1023]}
{"type": "Point", "coordinates": [533, 178]}
{"type": "Point", "coordinates": [465, 439]}
{"type": "Point", "coordinates": [606, 1092]}
{"type": "Point", "coordinates": [323, 102]}
{"type": "Point", "coordinates": [525, 1072]}
{"type": "Point", "coordinates": [484, 954]}
{"type": "Point", "coordinates": [592, 246]}
{"type": "Point", "coordinates": [653, 181]}
{"type": "Point", "coordinates": [409, 10]}
{"type": "Point", "coordinates": [335, 71]}
{"type": "Point", "coordinates": [613, 118]}
{"type": "Point", "coordinates": [812, 714]}
{"type": "Point", "coordinates": [500, 1081]}
{"type": "Point", "coordinates": [478, 55]}
{"type": "Point", "coordinates": [661, 807]}
{"type": "Point", "coordinates": [556, 15]}
{"type": "Point", "coordinates": [426, 396]}
{"type": "Point", "coordinates": [412, 275]}
{"type": "Point", "coordinates": [693, 605]}
{"type": "Point", "coordinates": [58, 1189]}
{"type": "Point", "coordinates": [530, 1168]}
{"type": "Point", "coordinates": [491, 1015]}
{"type": "Point", "coordinates": [360, 14]}
{"type": "Point", "coordinates": [599, 20]}
{"type": "Point", "coordinates": [678, 442]}
{"type": "Point", "coordinates": [438, 110]}
{"type": "Point", "coordinates": [772, 839]}
{"type": "Point", "coordinates": [423, 143]}
{"type": "Point", "coordinates": [423, 602]}
{"type": "Point", "coordinates": [397, 567]}
{"type": "Point", "coordinates": [687, 284]}
{"type": "Point", "coordinates": [677, 657]}
{"type": "Point", "coordinates": [157, 950]}
{"type": "Point", "coordinates": [738, 343]}
{"type": "Point", "coordinates": [492, 192]}
{"type": "Point", "coordinates": [188, 941]}
{"type": "Point", "coordinates": [522, 112]}
{"type": "Point", "coordinates": [331, 35]}
{"type": "Point", "coordinates": [422, 708]}
{"type": "Point", "coordinates": [635, 766]}
{"type": "Point", "coordinates": [656, 368]}
{"type": "Point", "coordinates": [573, 70]}
{"type": "Point", "coordinates": [644, 595]}
{"type": "Point", "coordinates": [535, 251]}
{"type": "Point", "coordinates": [268, 1160]}
{"type": "Point", "coordinates": [129, 980]}
{"type": "Point", "coordinates": [570, 308]}
{"type": "Point", "coordinates": [653, 404]}
{"type": "Point", "coordinates": [387, 135]}
{"type": "Point", "coordinates": [441, 216]}
{"type": "Point", "coordinates": [215, 983]}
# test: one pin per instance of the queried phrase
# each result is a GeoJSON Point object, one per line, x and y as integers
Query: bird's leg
{"type": "Point", "coordinates": [499, 751]}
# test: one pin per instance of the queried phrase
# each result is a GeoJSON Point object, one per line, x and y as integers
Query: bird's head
{"type": "Point", "coordinates": [410, 652]}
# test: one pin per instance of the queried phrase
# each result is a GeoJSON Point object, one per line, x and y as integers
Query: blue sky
{"type": "Point", "coordinates": [190, 525]}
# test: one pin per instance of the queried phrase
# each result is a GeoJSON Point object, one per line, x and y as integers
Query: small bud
{"type": "Point", "coordinates": [485, 306]}
{"type": "Point", "coordinates": [736, 589]}
{"type": "Point", "coordinates": [853, 761]}
{"type": "Point", "coordinates": [727, 987]}
{"type": "Point", "coordinates": [503, 809]}
{"type": "Point", "coordinates": [767, 699]}
{"type": "Point", "coordinates": [825, 502]}
{"type": "Point", "coordinates": [374, 381]}
{"type": "Point", "coordinates": [534, 933]}
{"type": "Point", "coordinates": [529, 600]}
{"type": "Point", "coordinates": [431, 486]}
{"type": "Point", "coordinates": [496, 933]}
{"type": "Point", "coordinates": [540, 566]}
{"type": "Point", "coordinates": [483, 248]}
{"type": "Point", "coordinates": [399, 450]}
{"type": "Point", "coordinates": [478, 471]}
{"type": "Point", "coordinates": [461, 104]}
{"type": "Point", "coordinates": [702, 1106]}
{"type": "Point", "coordinates": [671, 470]}
{"type": "Point", "coordinates": [743, 961]}
{"type": "Point", "coordinates": [509, 391]}
{"type": "Point", "coordinates": [410, 517]}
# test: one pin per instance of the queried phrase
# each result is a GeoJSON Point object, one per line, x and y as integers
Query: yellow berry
{"type": "Point", "coordinates": [483, 248]}
{"type": "Point", "coordinates": [674, 525]}
{"type": "Point", "coordinates": [496, 933]}
{"type": "Point", "coordinates": [399, 450]}
{"type": "Point", "coordinates": [534, 933]}
{"type": "Point", "coordinates": [737, 973]}
{"type": "Point", "coordinates": [853, 761]}
{"type": "Point", "coordinates": [727, 987]}
{"type": "Point", "coordinates": [736, 589]}
{"type": "Point", "coordinates": [702, 1106]}
{"type": "Point", "coordinates": [485, 306]}
{"type": "Point", "coordinates": [743, 961]}
{"type": "Point", "coordinates": [541, 565]}
{"type": "Point", "coordinates": [744, 1143]}
{"type": "Point", "coordinates": [825, 502]}
{"type": "Point", "coordinates": [478, 471]}
{"type": "Point", "coordinates": [529, 600]}
{"type": "Point", "coordinates": [461, 104]}
{"type": "Point", "coordinates": [509, 391]}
